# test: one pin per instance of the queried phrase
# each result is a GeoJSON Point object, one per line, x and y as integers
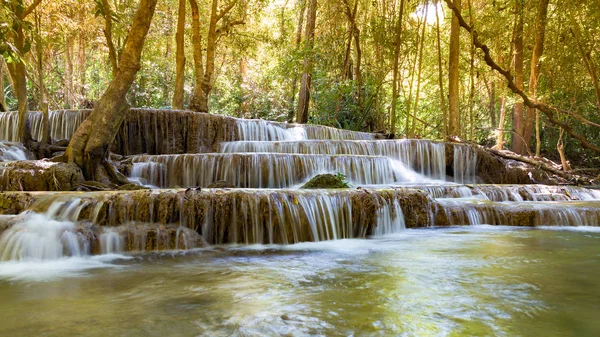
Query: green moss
{"type": "Point", "coordinates": [327, 181]}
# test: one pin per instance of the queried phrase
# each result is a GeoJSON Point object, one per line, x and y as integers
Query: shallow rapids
{"type": "Point", "coordinates": [444, 282]}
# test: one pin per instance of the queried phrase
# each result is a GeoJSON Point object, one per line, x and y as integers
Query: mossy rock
{"type": "Point", "coordinates": [327, 181]}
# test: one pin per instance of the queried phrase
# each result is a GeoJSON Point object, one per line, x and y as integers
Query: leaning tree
{"type": "Point", "coordinates": [89, 145]}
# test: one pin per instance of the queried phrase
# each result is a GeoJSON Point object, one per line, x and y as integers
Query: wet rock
{"type": "Point", "coordinates": [132, 187]}
{"type": "Point", "coordinates": [221, 184]}
{"type": "Point", "coordinates": [327, 180]}
{"type": "Point", "coordinates": [39, 175]}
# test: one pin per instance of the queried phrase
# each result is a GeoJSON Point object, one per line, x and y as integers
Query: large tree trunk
{"type": "Point", "coordinates": [18, 73]}
{"type": "Point", "coordinates": [297, 42]}
{"type": "Point", "coordinates": [397, 42]}
{"type": "Point", "coordinates": [89, 145]}
{"type": "Point", "coordinates": [43, 103]}
{"type": "Point", "coordinates": [532, 119]}
{"type": "Point", "coordinates": [518, 145]}
{"type": "Point", "coordinates": [453, 76]}
{"type": "Point", "coordinates": [70, 88]}
{"type": "Point", "coordinates": [198, 67]}
{"type": "Point", "coordinates": [309, 38]}
{"type": "Point", "coordinates": [179, 58]}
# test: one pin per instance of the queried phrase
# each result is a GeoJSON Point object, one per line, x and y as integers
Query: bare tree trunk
{"type": "Point", "coordinates": [18, 73]}
{"type": "Point", "coordinates": [297, 42]}
{"type": "Point", "coordinates": [560, 147]}
{"type": "Point", "coordinates": [42, 88]}
{"type": "Point", "coordinates": [3, 106]}
{"type": "Point", "coordinates": [444, 108]}
{"type": "Point", "coordinates": [397, 43]}
{"type": "Point", "coordinates": [198, 67]}
{"type": "Point", "coordinates": [70, 88]}
{"type": "Point", "coordinates": [81, 55]}
{"type": "Point", "coordinates": [243, 74]}
{"type": "Point", "coordinates": [500, 137]}
{"type": "Point", "coordinates": [309, 38]}
{"type": "Point", "coordinates": [518, 145]}
{"type": "Point", "coordinates": [416, 105]}
{"type": "Point", "coordinates": [112, 52]}
{"type": "Point", "coordinates": [534, 74]}
{"type": "Point", "coordinates": [471, 77]}
{"type": "Point", "coordinates": [89, 145]}
{"type": "Point", "coordinates": [453, 76]}
{"type": "Point", "coordinates": [179, 58]}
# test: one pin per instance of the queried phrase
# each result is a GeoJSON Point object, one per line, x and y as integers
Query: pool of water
{"type": "Point", "coordinates": [427, 282]}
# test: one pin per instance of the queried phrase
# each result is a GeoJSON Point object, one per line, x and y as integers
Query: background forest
{"type": "Point", "coordinates": [376, 65]}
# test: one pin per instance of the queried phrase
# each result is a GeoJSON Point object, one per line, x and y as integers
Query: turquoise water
{"type": "Point", "coordinates": [478, 281]}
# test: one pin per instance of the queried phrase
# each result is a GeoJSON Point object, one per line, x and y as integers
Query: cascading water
{"type": "Point", "coordinates": [12, 152]}
{"type": "Point", "coordinates": [39, 237]}
{"type": "Point", "coordinates": [265, 170]}
{"type": "Point", "coordinates": [426, 157]}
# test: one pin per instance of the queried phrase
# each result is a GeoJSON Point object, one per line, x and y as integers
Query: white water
{"type": "Point", "coordinates": [12, 151]}
{"type": "Point", "coordinates": [266, 170]}
{"type": "Point", "coordinates": [38, 237]}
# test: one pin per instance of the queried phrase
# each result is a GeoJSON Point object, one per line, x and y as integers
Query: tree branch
{"type": "Point", "coordinates": [226, 10]}
{"type": "Point", "coordinates": [545, 109]}
{"type": "Point", "coordinates": [30, 9]}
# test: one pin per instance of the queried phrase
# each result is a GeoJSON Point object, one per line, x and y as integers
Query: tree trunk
{"type": "Point", "coordinates": [81, 55]}
{"type": "Point", "coordinates": [500, 132]}
{"type": "Point", "coordinates": [43, 103]}
{"type": "Point", "coordinates": [471, 77]}
{"type": "Point", "coordinates": [179, 58]}
{"type": "Point", "coordinates": [518, 146]}
{"type": "Point", "coordinates": [416, 105]}
{"type": "Point", "coordinates": [443, 106]}
{"type": "Point", "coordinates": [297, 42]}
{"type": "Point", "coordinates": [112, 52]}
{"type": "Point", "coordinates": [198, 67]}
{"type": "Point", "coordinates": [453, 75]}
{"type": "Point", "coordinates": [397, 42]}
{"type": "Point", "coordinates": [70, 91]}
{"type": "Point", "coordinates": [18, 73]}
{"type": "Point", "coordinates": [89, 145]}
{"type": "Point", "coordinates": [309, 38]}
{"type": "Point", "coordinates": [3, 106]}
{"type": "Point", "coordinates": [532, 118]}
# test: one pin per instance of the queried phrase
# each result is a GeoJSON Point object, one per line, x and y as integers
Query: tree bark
{"type": "Point", "coordinates": [518, 146]}
{"type": "Point", "coordinates": [416, 105]}
{"type": "Point", "coordinates": [443, 105]}
{"type": "Point", "coordinates": [471, 76]}
{"type": "Point", "coordinates": [309, 38]}
{"type": "Point", "coordinates": [453, 75]}
{"type": "Point", "coordinates": [3, 106]}
{"type": "Point", "coordinates": [89, 145]}
{"type": "Point", "coordinates": [70, 91]}
{"type": "Point", "coordinates": [179, 58]}
{"type": "Point", "coordinates": [81, 41]}
{"type": "Point", "coordinates": [532, 117]}
{"type": "Point", "coordinates": [297, 42]}
{"type": "Point", "coordinates": [39, 47]}
{"type": "Point", "coordinates": [198, 67]}
{"type": "Point", "coordinates": [397, 43]}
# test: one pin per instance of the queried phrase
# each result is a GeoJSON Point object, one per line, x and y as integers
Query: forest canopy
{"type": "Point", "coordinates": [402, 68]}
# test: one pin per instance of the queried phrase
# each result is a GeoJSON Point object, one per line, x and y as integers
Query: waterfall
{"type": "Point", "coordinates": [265, 170]}
{"type": "Point", "coordinates": [465, 164]}
{"type": "Point", "coordinates": [426, 157]}
{"type": "Point", "coordinates": [61, 124]}
{"type": "Point", "coordinates": [390, 219]}
{"type": "Point", "coordinates": [39, 237]}
{"type": "Point", "coordinates": [12, 151]}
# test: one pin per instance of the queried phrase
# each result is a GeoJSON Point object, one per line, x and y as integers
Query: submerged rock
{"type": "Point", "coordinates": [327, 180]}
